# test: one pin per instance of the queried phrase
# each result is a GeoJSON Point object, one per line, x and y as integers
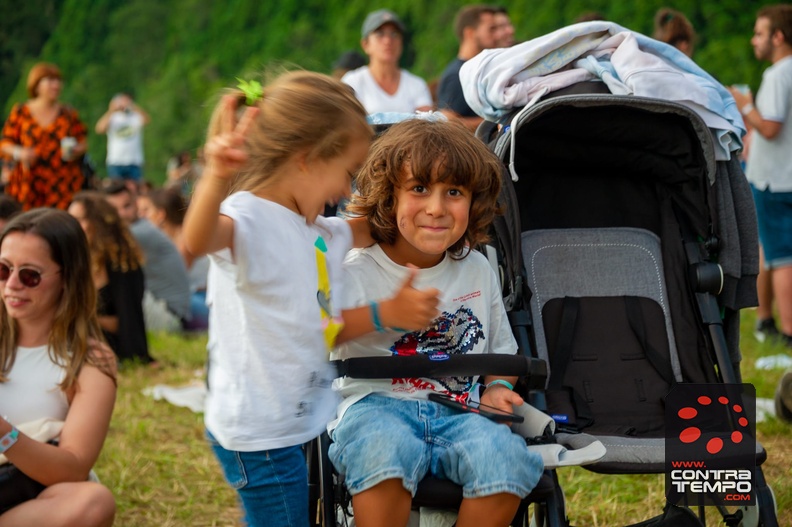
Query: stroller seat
{"type": "Point", "coordinates": [600, 315]}
{"type": "Point", "coordinates": [444, 494]}
{"type": "Point", "coordinates": [611, 263]}
{"type": "Point", "coordinates": [434, 493]}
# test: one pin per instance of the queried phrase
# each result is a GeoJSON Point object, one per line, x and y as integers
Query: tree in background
{"type": "Point", "coordinates": [174, 55]}
{"type": "Point", "coordinates": [24, 28]}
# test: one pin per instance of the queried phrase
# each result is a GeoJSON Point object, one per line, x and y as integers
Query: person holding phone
{"type": "Point", "coordinates": [123, 123]}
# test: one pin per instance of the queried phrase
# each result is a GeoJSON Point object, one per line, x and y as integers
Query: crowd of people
{"type": "Point", "coordinates": [86, 272]}
{"type": "Point", "coordinates": [83, 280]}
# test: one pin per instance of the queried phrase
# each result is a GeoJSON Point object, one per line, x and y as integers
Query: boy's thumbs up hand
{"type": "Point", "coordinates": [410, 308]}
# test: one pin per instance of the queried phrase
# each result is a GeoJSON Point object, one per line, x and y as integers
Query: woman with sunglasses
{"type": "Point", "coordinates": [57, 377]}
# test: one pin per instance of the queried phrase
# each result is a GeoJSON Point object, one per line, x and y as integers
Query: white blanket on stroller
{"type": "Point", "coordinates": [498, 80]}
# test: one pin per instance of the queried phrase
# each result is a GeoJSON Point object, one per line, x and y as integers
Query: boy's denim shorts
{"type": "Point", "coordinates": [774, 215]}
{"type": "Point", "coordinates": [381, 438]}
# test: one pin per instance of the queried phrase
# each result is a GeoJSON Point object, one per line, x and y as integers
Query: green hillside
{"type": "Point", "coordinates": [174, 55]}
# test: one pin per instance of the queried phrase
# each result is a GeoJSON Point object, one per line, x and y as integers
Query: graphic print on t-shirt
{"type": "Point", "coordinates": [125, 131]}
{"type": "Point", "coordinates": [332, 325]}
{"type": "Point", "coordinates": [452, 333]}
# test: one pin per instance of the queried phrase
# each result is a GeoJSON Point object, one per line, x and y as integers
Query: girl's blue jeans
{"type": "Point", "coordinates": [272, 484]}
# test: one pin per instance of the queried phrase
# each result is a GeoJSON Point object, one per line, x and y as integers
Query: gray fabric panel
{"type": "Point", "coordinates": [624, 449]}
{"type": "Point", "coordinates": [619, 261]}
{"type": "Point", "coordinates": [632, 450]}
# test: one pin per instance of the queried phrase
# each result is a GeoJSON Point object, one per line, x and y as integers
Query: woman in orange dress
{"type": "Point", "coordinates": [46, 139]}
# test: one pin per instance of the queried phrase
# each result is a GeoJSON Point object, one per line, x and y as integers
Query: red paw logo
{"type": "Point", "coordinates": [710, 447]}
{"type": "Point", "coordinates": [692, 433]}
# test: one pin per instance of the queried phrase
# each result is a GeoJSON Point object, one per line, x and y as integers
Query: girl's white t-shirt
{"type": "Point", "coordinates": [269, 376]}
{"type": "Point", "coordinates": [32, 390]}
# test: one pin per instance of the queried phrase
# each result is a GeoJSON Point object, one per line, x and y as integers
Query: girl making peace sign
{"type": "Point", "coordinates": [275, 262]}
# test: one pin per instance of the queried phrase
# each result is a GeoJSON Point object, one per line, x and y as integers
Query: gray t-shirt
{"type": "Point", "coordinates": [164, 269]}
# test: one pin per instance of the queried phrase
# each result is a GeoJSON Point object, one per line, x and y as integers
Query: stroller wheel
{"type": "Point", "coordinates": [753, 516]}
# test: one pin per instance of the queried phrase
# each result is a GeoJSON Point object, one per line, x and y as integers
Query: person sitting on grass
{"type": "Point", "coordinates": [117, 270]}
{"type": "Point", "coordinates": [166, 300]}
{"type": "Point", "coordinates": [165, 209]}
{"type": "Point", "coordinates": [429, 191]}
{"type": "Point", "coordinates": [57, 377]}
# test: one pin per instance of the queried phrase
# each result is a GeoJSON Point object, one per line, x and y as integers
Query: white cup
{"type": "Point", "coordinates": [67, 148]}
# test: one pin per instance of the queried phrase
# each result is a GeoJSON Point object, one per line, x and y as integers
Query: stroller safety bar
{"type": "Point", "coordinates": [534, 371]}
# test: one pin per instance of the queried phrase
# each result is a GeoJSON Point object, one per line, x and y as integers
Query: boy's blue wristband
{"type": "Point", "coordinates": [375, 319]}
{"type": "Point", "coordinates": [507, 384]}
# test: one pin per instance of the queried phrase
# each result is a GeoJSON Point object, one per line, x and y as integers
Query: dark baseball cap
{"type": "Point", "coordinates": [378, 18]}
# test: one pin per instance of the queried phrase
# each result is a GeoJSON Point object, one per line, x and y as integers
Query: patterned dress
{"type": "Point", "coordinates": [50, 181]}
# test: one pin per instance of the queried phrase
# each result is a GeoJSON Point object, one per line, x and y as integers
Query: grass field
{"type": "Point", "coordinates": [163, 474]}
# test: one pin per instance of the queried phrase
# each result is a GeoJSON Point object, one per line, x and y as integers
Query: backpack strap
{"type": "Point", "coordinates": [584, 417]}
{"type": "Point", "coordinates": [566, 337]}
{"type": "Point", "coordinates": [635, 318]}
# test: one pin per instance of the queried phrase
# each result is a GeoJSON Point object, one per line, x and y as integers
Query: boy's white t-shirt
{"type": "Point", "coordinates": [125, 139]}
{"type": "Point", "coordinates": [269, 375]}
{"type": "Point", "coordinates": [413, 93]}
{"type": "Point", "coordinates": [473, 320]}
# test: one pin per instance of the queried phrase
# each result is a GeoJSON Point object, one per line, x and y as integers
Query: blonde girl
{"type": "Point", "coordinates": [275, 262]}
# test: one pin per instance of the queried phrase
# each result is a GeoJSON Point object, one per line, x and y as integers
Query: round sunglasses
{"type": "Point", "coordinates": [27, 277]}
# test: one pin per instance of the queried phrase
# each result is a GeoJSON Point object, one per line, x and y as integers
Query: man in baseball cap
{"type": "Point", "coordinates": [377, 19]}
{"type": "Point", "coordinates": [382, 86]}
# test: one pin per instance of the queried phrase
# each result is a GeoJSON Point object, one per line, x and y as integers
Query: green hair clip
{"type": "Point", "coordinates": [252, 90]}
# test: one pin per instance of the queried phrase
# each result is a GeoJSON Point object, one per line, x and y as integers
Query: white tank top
{"type": "Point", "coordinates": [32, 390]}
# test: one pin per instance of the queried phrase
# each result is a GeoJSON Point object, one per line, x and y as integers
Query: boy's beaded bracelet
{"type": "Point", "coordinates": [507, 384]}
{"type": "Point", "coordinates": [8, 440]}
{"type": "Point", "coordinates": [375, 319]}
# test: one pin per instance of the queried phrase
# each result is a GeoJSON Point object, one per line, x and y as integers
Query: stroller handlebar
{"type": "Point", "coordinates": [532, 370]}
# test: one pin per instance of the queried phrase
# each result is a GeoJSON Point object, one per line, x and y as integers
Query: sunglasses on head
{"type": "Point", "coordinates": [28, 277]}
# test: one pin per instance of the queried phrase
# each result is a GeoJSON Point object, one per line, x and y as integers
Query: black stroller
{"type": "Point", "coordinates": [633, 251]}
{"type": "Point", "coordinates": [626, 253]}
